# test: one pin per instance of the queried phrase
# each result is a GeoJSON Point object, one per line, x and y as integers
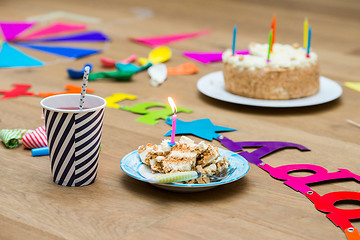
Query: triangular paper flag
{"type": "Point", "coordinates": [164, 40]}
{"type": "Point", "coordinates": [209, 57]}
{"type": "Point", "coordinates": [70, 52]}
{"type": "Point", "coordinates": [11, 29]}
{"type": "Point", "coordinates": [79, 37]}
{"type": "Point", "coordinates": [353, 85]}
{"type": "Point", "coordinates": [12, 57]}
{"type": "Point", "coordinates": [56, 28]}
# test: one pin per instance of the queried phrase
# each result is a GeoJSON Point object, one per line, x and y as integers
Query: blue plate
{"type": "Point", "coordinates": [132, 166]}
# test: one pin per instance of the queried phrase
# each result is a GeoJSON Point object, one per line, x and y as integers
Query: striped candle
{"type": "Point", "coordinates": [175, 177]}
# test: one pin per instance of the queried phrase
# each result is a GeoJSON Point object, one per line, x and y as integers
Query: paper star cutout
{"type": "Point", "coordinates": [202, 128]}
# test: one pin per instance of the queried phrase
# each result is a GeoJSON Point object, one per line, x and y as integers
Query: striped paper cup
{"type": "Point", "coordinates": [73, 137]}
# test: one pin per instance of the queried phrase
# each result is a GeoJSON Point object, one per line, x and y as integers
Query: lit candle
{"type": "Point", "coordinates": [309, 42]}
{"type": "Point", "coordinates": [273, 27]}
{"type": "Point", "coordinates": [306, 24]}
{"type": "Point", "coordinates": [173, 130]}
{"type": "Point", "coordinates": [269, 48]}
{"type": "Point", "coordinates": [234, 40]}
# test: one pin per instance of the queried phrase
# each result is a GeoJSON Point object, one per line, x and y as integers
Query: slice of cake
{"type": "Point", "coordinates": [185, 155]}
{"type": "Point", "coordinates": [289, 74]}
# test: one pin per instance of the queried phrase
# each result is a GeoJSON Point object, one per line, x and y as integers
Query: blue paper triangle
{"type": "Point", "coordinates": [70, 52]}
{"type": "Point", "coordinates": [93, 36]}
{"type": "Point", "coordinates": [12, 57]}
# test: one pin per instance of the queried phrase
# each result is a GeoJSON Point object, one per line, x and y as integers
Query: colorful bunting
{"type": "Point", "coordinates": [93, 36]}
{"type": "Point", "coordinates": [70, 52]}
{"type": "Point", "coordinates": [13, 57]}
{"type": "Point", "coordinates": [11, 29]}
{"type": "Point", "coordinates": [164, 40]}
{"type": "Point", "coordinates": [209, 57]}
{"type": "Point", "coordinates": [56, 28]}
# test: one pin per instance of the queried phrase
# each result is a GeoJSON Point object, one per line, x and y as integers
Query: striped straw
{"type": "Point", "coordinates": [83, 87]}
{"type": "Point", "coordinates": [175, 177]}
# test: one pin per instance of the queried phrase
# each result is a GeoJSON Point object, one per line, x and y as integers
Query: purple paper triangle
{"type": "Point", "coordinates": [69, 52]}
{"type": "Point", "coordinates": [209, 57]}
{"type": "Point", "coordinates": [94, 36]}
{"type": "Point", "coordinates": [11, 29]}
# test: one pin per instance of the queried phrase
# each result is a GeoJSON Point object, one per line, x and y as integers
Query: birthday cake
{"type": "Point", "coordinates": [185, 155]}
{"type": "Point", "coordinates": [288, 74]}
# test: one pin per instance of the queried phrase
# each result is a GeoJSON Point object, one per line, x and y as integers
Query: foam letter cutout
{"type": "Point", "coordinates": [150, 117]}
{"type": "Point", "coordinates": [18, 90]}
{"type": "Point", "coordinates": [118, 97]}
{"type": "Point", "coordinates": [340, 217]}
{"type": "Point", "coordinates": [202, 128]}
{"type": "Point", "coordinates": [265, 149]}
{"type": "Point", "coordinates": [69, 89]}
{"type": "Point", "coordinates": [320, 174]}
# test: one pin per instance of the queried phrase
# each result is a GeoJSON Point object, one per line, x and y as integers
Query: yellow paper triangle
{"type": "Point", "coordinates": [353, 85]}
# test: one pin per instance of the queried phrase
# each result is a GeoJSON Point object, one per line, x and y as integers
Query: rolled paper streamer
{"type": "Point", "coordinates": [11, 137]}
{"type": "Point", "coordinates": [35, 139]}
{"type": "Point", "coordinates": [44, 151]}
{"type": "Point", "coordinates": [175, 177]}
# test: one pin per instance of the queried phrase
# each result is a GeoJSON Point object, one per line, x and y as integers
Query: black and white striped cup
{"type": "Point", "coordinates": [73, 137]}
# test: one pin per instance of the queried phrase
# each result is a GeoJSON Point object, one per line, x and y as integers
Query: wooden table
{"type": "Point", "coordinates": [119, 207]}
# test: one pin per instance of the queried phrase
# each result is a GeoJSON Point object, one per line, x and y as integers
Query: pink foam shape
{"type": "Point", "coordinates": [56, 28]}
{"type": "Point", "coordinates": [11, 29]}
{"type": "Point", "coordinates": [164, 40]}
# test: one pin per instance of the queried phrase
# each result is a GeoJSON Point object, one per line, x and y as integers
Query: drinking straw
{"type": "Point", "coordinates": [83, 87]}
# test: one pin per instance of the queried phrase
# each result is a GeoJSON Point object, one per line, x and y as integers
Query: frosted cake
{"type": "Point", "coordinates": [289, 74]}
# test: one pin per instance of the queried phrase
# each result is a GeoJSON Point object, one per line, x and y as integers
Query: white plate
{"type": "Point", "coordinates": [213, 86]}
{"type": "Point", "coordinates": [132, 166]}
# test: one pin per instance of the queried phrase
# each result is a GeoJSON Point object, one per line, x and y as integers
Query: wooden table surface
{"type": "Point", "coordinates": [117, 206]}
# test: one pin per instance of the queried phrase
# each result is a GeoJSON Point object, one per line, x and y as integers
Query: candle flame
{"type": "Point", "coordinates": [172, 105]}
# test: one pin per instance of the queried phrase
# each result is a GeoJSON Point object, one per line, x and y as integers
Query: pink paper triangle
{"type": "Point", "coordinates": [56, 28]}
{"type": "Point", "coordinates": [11, 29]}
{"type": "Point", "coordinates": [163, 40]}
